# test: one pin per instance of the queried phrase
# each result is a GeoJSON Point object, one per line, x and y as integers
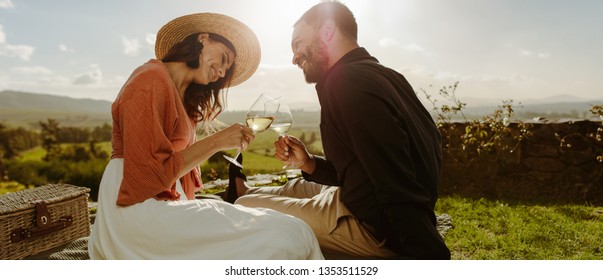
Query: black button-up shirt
{"type": "Point", "coordinates": [383, 149]}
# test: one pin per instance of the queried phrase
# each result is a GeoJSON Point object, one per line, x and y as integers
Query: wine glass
{"type": "Point", "coordinates": [282, 124]}
{"type": "Point", "coordinates": [260, 116]}
{"type": "Point", "coordinates": [283, 121]}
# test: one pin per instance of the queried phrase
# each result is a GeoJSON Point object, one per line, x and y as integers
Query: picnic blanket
{"type": "Point", "coordinates": [78, 249]}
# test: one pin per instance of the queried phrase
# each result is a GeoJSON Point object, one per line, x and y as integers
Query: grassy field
{"type": "Point", "coordinates": [496, 230]}
{"type": "Point", "coordinates": [258, 158]}
{"type": "Point", "coordinates": [38, 153]}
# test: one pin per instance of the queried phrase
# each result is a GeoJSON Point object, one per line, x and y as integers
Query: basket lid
{"type": "Point", "coordinates": [25, 199]}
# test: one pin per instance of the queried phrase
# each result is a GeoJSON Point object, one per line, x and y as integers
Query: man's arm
{"type": "Point", "coordinates": [318, 169]}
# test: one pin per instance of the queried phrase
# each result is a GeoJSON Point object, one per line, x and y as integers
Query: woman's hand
{"type": "Point", "coordinates": [236, 136]}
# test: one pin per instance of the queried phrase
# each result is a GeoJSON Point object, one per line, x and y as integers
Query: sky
{"type": "Point", "coordinates": [536, 50]}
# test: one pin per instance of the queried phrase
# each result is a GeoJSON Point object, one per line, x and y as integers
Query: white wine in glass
{"type": "Point", "coordinates": [282, 124]}
{"type": "Point", "coordinates": [281, 128]}
{"type": "Point", "coordinates": [260, 116]}
{"type": "Point", "coordinates": [259, 124]}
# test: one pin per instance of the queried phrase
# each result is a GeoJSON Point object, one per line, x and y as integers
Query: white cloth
{"type": "Point", "coordinates": [193, 229]}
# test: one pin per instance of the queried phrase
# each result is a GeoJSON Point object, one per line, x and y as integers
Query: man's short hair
{"type": "Point", "coordinates": [343, 17]}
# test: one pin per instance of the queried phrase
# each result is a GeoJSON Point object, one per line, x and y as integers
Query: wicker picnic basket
{"type": "Point", "coordinates": [42, 218]}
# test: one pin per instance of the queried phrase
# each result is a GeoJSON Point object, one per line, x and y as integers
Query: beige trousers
{"type": "Point", "coordinates": [339, 233]}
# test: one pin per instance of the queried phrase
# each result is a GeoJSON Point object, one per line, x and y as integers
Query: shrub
{"type": "Point", "coordinates": [475, 151]}
{"type": "Point", "coordinates": [492, 138]}
{"type": "Point", "coordinates": [27, 172]}
{"type": "Point", "coordinates": [597, 137]}
{"type": "Point", "coordinates": [36, 173]}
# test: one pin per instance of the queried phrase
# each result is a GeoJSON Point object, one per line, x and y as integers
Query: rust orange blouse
{"type": "Point", "coordinates": [150, 128]}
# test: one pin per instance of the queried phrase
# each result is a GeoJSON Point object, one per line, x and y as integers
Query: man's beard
{"type": "Point", "coordinates": [316, 63]}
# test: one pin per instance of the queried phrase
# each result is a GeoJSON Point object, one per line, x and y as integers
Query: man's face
{"type": "Point", "coordinates": [309, 52]}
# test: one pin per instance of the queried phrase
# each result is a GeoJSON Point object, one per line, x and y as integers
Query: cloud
{"type": "Point", "coordinates": [64, 48]}
{"type": "Point", "coordinates": [415, 48]}
{"type": "Point", "coordinates": [150, 39]}
{"type": "Point", "coordinates": [2, 35]}
{"type": "Point", "coordinates": [24, 52]}
{"type": "Point", "coordinates": [539, 54]}
{"type": "Point", "coordinates": [92, 77]}
{"type": "Point", "coordinates": [388, 42]}
{"type": "Point", "coordinates": [4, 81]}
{"type": "Point", "coordinates": [511, 78]}
{"type": "Point", "coordinates": [6, 4]}
{"type": "Point", "coordinates": [35, 70]}
{"type": "Point", "coordinates": [421, 71]}
{"type": "Point", "coordinates": [131, 46]}
{"type": "Point", "coordinates": [544, 55]}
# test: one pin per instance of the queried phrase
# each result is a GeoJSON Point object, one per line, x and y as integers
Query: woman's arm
{"type": "Point", "coordinates": [233, 137]}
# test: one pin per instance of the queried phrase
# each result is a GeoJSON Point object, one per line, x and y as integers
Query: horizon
{"type": "Point", "coordinates": [472, 103]}
{"type": "Point", "coordinates": [552, 101]}
{"type": "Point", "coordinates": [496, 50]}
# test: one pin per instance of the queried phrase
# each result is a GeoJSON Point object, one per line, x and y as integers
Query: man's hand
{"type": "Point", "coordinates": [293, 152]}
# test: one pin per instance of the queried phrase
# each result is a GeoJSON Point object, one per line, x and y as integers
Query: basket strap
{"type": "Point", "coordinates": [42, 224]}
{"type": "Point", "coordinates": [42, 215]}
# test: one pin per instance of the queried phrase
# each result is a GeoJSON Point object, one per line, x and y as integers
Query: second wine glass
{"type": "Point", "coordinates": [260, 116]}
{"type": "Point", "coordinates": [282, 124]}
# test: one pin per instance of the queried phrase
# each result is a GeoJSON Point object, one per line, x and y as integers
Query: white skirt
{"type": "Point", "coordinates": [193, 229]}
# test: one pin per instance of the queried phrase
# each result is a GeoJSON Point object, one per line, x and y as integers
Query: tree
{"type": "Point", "coordinates": [2, 137]}
{"type": "Point", "coordinates": [102, 133]}
{"type": "Point", "coordinates": [72, 134]}
{"type": "Point", "coordinates": [302, 138]}
{"type": "Point", "coordinates": [50, 138]}
{"type": "Point", "coordinates": [312, 137]}
{"type": "Point", "coordinates": [5, 144]}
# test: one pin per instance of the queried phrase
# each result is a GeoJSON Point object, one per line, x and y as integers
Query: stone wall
{"type": "Point", "coordinates": [558, 163]}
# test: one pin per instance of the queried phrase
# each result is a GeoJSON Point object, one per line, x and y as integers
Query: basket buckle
{"type": "Point", "coordinates": [42, 225]}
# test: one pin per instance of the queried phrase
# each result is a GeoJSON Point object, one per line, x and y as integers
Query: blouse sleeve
{"type": "Point", "coordinates": [151, 166]}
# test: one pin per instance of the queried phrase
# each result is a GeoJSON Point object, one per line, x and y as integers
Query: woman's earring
{"type": "Point", "coordinates": [201, 41]}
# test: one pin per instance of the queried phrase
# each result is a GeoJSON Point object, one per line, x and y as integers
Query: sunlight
{"type": "Point", "coordinates": [273, 23]}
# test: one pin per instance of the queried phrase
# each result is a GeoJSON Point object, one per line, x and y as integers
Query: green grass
{"type": "Point", "coordinates": [11, 186]}
{"type": "Point", "coordinates": [259, 156]}
{"type": "Point", "coordinates": [38, 153]}
{"type": "Point", "coordinates": [35, 154]}
{"type": "Point", "coordinates": [495, 230]}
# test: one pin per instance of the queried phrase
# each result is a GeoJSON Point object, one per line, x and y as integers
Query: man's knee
{"type": "Point", "coordinates": [251, 200]}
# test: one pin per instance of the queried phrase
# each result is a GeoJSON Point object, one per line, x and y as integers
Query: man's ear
{"type": "Point", "coordinates": [327, 30]}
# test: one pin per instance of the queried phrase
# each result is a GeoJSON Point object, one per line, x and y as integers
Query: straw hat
{"type": "Point", "coordinates": [241, 36]}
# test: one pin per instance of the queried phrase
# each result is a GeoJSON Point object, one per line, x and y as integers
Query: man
{"type": "Point", "coordinates": [374, 194]}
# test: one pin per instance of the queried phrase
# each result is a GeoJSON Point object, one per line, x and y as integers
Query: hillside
{"type": "Point", "coordinates": [550, 110]}
{"type": "Point", "coordinates": [27, 109]}
{"type": "Point", "coordinates": [47, 102]}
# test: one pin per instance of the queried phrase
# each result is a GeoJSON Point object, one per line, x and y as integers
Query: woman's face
{"type": "Point", "coordinates": [215, 60]}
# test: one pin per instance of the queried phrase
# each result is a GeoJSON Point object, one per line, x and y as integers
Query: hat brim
{"type": "Point", "coordinates": [240, 35]}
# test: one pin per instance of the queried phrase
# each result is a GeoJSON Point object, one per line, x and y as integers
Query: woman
{"type": "Point", "coordinates": [146, 206]}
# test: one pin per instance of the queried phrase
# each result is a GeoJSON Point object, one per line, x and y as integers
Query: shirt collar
{"type": "Point", "coordinates": [356, 54]}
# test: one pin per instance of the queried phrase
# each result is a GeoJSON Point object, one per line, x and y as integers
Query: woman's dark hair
{"type": "Point", "coordinates": [202, 102]}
